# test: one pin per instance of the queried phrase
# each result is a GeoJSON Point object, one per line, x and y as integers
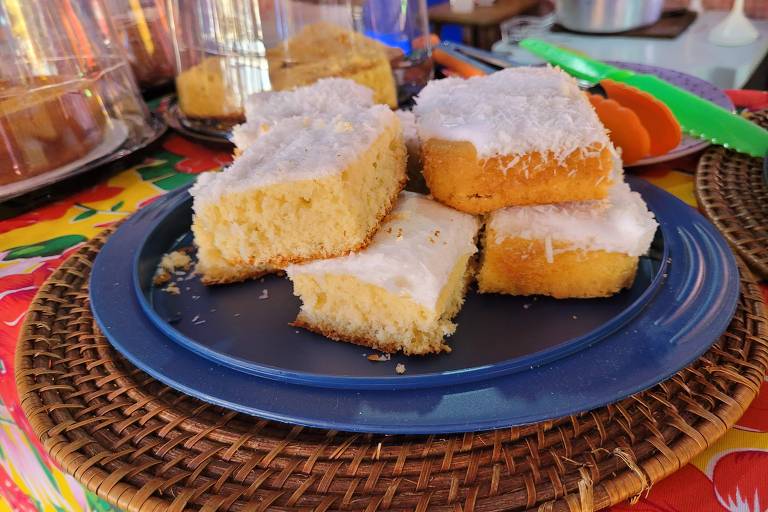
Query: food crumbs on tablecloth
{"type": "Point", "coordinates": [297, 332]}
{"type": "Point", "coordinates": [172, 289]}
{"type": "Point", "coordinates": [213, 310]}
{"type": "Point", "coordinates": [195, 297]}
{"type": "Point", "coordinates": [526, 306]}
{"type": "Point", "coordinates": [264, 294]}
{"type": "Point", "coordinates": [378, 357]}
{"type": "Point", "coordinates": [200, 322]}
{"type": "Point", "coordinates": [574, 317]}
{"type": "Point", "coordinates": [400, 369]}
{"type": "Point", "coordinates": [196, 318]}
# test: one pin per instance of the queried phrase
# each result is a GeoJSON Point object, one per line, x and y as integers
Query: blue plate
{"type": "Point", "coordinates": [682, 303]}
{"type": "Point", "coordinates": [232, 326]}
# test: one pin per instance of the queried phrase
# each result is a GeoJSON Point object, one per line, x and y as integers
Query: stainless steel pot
{"type": "Point", "coordinates": [607, 16]}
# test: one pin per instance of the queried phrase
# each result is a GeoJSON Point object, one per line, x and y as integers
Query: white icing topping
{"type": "Point", "coordinates": [412, 254]}
{"type": "Point", "coordinates": [299, 148]}
{"type": "Point", "coordinates": [514, 111]}
{"type": "Point", "coordinates": [410, 133]}
{"type": "Point", "coordinates": [327, 97]}
{"type": "Point", "coordinates": [621, 223]}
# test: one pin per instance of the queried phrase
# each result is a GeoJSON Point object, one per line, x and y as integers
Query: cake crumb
{"type": "Point", "coordinates": [172, 289]}
{"type": "Point", "coordinates": [169, 264]}
{"type": "Point", "coordinates": [236, 314]}
{"type": "Point", "coordinates": [264, 294]}
{"type": "Point", "coordinates": [161, 277]}
{"type": "Point", "coordinates": [195, 318]}
{"type": "Point", "coordinates": [400, 369]}
{"type": "Point", "coordinates": [526, 306]}
{"type": "Point", "coordinates": [378, 357]}
{"type": "Point", "coordinates": [574, 317]}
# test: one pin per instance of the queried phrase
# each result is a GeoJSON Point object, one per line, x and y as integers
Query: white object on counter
{"type": "Point", "coordinates": [691, 52]}
{"type": "Point", "coordinates": [735, 29]}
{"type": "Point", "coordinates": [462, 5]}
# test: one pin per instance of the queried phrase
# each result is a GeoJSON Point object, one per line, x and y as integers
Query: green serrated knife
{"type": "Point", "coordinates": [697, 116]}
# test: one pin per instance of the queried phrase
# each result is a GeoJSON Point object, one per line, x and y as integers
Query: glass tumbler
{"type": "Point", "coordinates": [142, 29]}
{"type": "Point", "coordinates": [226, 50]}
{"type": "Point", "coordinates": [67, 94]}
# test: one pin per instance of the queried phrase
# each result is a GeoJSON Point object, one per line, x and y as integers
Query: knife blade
{"type": "Point", "coordinates": [697, 116]}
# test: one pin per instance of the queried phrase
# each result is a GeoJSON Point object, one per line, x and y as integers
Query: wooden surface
{"type": "Point", "coordinates": [481, 16]}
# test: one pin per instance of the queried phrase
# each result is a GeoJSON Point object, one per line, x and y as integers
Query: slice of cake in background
{"type": "Point", "coordinates": [306, 189]}
{"type": "Point", "coordinates": [580, 249]}
{"type": "Point", "coordinates": [516, 137]}
{"type": "Point", "coordinates": [217, 87]}
{"type": "Point", "coordinates": [401, 292]}
{"type": "Point", "coordinates": [208, 89]}
{"type": "Point", "coordinates": [322, 50]}
{"type": "Point", "coordinates": [326, 97]}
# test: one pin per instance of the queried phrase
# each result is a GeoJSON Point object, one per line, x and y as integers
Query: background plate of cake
{"type": "Point", "coordinates": [304, 284]}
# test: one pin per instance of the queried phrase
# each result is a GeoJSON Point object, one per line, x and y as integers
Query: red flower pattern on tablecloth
{"type": "Point", "coordinates": [741, 480]}
{"type": "Point", "coordinates": [756, 417]}
{"type": "Point", "coordinates": [59, 208]}
{"type": "Point", "coordinates": [687, 490]}
{"type": "Point", "coordinates": [197, 158]}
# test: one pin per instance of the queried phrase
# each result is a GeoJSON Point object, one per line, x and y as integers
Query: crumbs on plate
{"type": "Point", "coordinates": [171, 264]}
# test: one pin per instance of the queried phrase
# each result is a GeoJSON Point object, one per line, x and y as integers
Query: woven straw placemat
{"type": "Point", "coordinates": [145, 447]}
{"type": "Point", "coordinates": [734, 196]}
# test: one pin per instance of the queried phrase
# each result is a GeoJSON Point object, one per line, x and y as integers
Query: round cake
{"type": "Point", "coordinates": [47, 123]}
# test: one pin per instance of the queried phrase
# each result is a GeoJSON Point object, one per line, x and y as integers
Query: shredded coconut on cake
{"type": "Point", "coordinates": [621, 223]}
{"type": "Point", "coordinates": [300, 148]}
{"type": "Point", "coordinates": [400, 258]}
{"type": "Point", "coordinates": [324, 98]}
{"type": "Point", "coordinates": [514, 111]}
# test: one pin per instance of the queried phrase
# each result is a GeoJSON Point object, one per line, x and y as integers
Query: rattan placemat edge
{"type": "Point", "coordinates": [67, 451]}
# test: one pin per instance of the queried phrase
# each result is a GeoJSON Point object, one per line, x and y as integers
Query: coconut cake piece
{"type": "Point", "coordinates": [519, 136]}
{"type": "Point", "coordinates": [326, 97]}
{"type": "Point", "coordinates": [306, 189]}
{"type": "Point", "coordinates": [401, 292]}
{"type": "Point", "coordinates": [569, 250]}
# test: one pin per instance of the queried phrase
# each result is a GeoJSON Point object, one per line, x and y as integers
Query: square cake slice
{"type": "Point", "coordinates": [401, 292]}
{"type": "Point", "coordinates": [306, 189]}
{"type": "Point", "coordinates": [327, 97]}
{"type": "Point", "coordinates": [517, 137]}
{"type": "Point", "coordinates": [570, 250]}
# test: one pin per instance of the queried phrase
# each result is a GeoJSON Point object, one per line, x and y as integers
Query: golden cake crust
{"type": "Point", "coordinates": [517, 266]}
{"type": "Point", "coordinates": [457, 177]}
{"type": "Point", "coordinates": [391, 347]}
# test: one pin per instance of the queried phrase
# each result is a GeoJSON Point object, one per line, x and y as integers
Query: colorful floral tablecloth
{"type": "Point", "coordinates": [732, 475]}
